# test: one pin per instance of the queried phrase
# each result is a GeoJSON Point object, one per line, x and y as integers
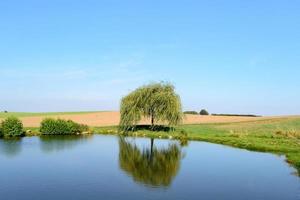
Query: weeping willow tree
{"type": "Point", "coordinates": [151, 167]}
{"type": "Point", "coordinates": [157, 102]}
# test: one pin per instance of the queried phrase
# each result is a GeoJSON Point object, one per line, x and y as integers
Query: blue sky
{"type": "Point", "coordinates": [222, 55]}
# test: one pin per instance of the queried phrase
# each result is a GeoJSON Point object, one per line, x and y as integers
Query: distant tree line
{"type": "Point", "coordinates": [191, 112]}
{"type": "Point", "coordinates": [236, 115]}
{"type": "Point", "coordinates": [202, 112]}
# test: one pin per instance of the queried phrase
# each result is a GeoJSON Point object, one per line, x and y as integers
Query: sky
{"type": "Point", "coordinates": [226, 56]}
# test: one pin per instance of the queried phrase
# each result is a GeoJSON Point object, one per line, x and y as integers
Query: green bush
{"type": "Point", "coordinates": [191, 112]}
{"type": "Point", "coordinates": [11, 127]}
{"type": "Point", "coordinates": [204, 112]}
{"type": "Point", "coordinates": [61, 127]}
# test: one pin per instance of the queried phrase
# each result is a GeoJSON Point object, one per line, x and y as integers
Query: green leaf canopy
{"type": "Point", "coordinates": [157, 101]}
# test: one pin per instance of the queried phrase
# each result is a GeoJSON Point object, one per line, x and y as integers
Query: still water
{"type": "Point", "coordinates": [109, 167]}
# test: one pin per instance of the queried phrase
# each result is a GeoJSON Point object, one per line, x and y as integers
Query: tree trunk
{"type": "Point", "coordinates": [152, 121]}
{"type": "Point", "coordinates": [151, 149]}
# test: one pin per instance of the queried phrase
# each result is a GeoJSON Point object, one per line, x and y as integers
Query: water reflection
{"type": "Point", "coordinates": [50, 144]}
{"type": "Point", "coordinates": [10, 147]}
{"type": "Point", "coordinates": [150, 166]}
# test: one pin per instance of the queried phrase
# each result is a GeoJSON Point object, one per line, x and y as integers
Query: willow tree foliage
{"type": "Point", "coordinates": [157, 102]}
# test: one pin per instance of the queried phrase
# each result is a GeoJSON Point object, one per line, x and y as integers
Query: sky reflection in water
{"type": "Point", "coordinates": [109, 167]}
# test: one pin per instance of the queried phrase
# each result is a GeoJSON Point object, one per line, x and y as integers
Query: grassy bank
{"type": "Point", "coordinates": [279, 136]}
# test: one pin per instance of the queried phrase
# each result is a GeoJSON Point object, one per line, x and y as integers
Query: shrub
{"type": "Point", "coordinates": [11, 127]}
{"type": "Point", "coordinates": [61, 127]}
{"type": "Point", "coordinates": [191, 112]}
{"type": "Point", "coordinates": [204, 112]}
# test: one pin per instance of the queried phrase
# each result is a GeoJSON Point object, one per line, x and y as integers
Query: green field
{"type": "Point", "coordinates": [29, 114]}
{"type": "Point", "coordinates": [280, 136]}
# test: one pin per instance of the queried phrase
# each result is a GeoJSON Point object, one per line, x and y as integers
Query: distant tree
{"type": "Point", "coordinates": [5, 111]}
{"type": "Point", "coordinates": [204, 112]}
{"type": "Point", "coordinates": [157, 101]}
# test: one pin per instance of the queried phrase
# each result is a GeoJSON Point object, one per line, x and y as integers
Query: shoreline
{"type": "Point", "coordinates": [252, 136]}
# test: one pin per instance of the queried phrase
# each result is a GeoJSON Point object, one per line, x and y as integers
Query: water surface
{"type": "Point", "coordinates": [108, 167]}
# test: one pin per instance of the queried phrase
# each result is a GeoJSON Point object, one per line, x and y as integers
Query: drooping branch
{"type": "Point", "coordinates": [158, 102]}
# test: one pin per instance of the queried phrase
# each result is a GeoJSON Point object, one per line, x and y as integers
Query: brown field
{"type": "Point", "coordinates": [112, 118]}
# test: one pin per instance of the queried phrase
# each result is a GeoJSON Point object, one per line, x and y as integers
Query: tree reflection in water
{"type": "Point", "coordinates": [50, 144]}
{"type": "Point", "coordinates": [10, 147]}
{"type": "Point", "coordinates": [151, 166]}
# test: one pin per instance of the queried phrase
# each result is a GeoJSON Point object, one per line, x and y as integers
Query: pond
{"type": "Point", "coordinates": [109, 167]}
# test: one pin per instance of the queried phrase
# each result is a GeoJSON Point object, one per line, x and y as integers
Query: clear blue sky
{"type": "Point", "coordinates": [225, 56]}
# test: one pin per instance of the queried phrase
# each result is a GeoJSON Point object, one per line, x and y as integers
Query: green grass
{"type": "Point", "coordinates": [28, 114]}
{"type": "Point", "coordinates": [279, 136]}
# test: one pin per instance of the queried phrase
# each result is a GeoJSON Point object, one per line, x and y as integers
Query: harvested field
{"type": "Point", "coordinates": [111, 118]}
